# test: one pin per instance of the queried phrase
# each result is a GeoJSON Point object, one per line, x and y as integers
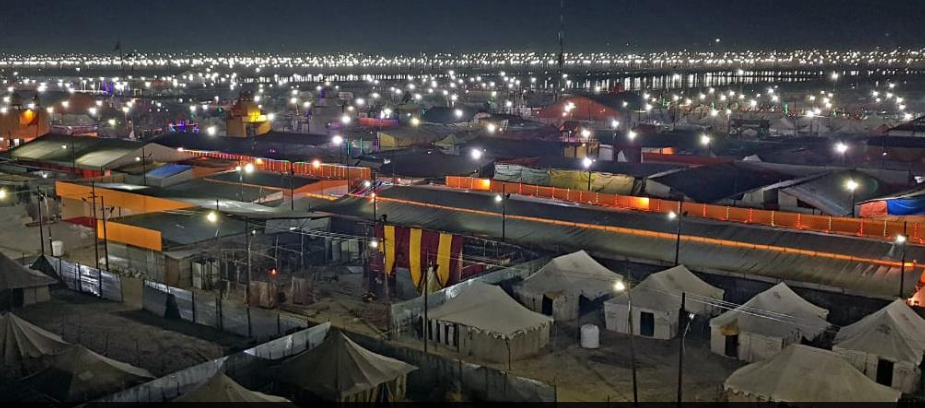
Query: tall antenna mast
{"type": "Point", "coordinates": [561, 59]}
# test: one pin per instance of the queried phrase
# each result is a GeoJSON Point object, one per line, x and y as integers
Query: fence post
{"type": "Point", "coordinates": [218, 313]}
{"type": "Point", "coordinates": [193, 301]}
{"type": "Point", "coordinates": [279, 327]}
{"type": "Point", "coordinates": [249, 330]}
{"type": "Point", "coordinates": [80, 286]}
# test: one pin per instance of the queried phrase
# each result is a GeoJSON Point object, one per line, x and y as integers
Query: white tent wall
{"type": "Point", "coordinates": [616, 318]}
{"type": "Point", "coordinates": [564, 307]}
{"type": "Point", "coordinates": [906, 376]}
{"type": "Point", "coordinates": [486, 346]}
{"type": "Point", "coordinates": [752, 347]}
{"type": "Point", "coordinates": [31, 296]}
{"type": "Point", "coordinates": [736, 396]}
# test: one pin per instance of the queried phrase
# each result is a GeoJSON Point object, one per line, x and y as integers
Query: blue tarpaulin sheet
{"type": "Point", "coordinates": [906, 206]}
{"type": "Point", "coordinates": [169, 170]}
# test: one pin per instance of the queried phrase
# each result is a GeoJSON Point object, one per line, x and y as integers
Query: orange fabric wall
{"type": "Point", "coordinates": [879, 229]}
{"type": "Point", "coordinates": [129, 234]}
{"type": "Point", "coordinates": [138, 203]}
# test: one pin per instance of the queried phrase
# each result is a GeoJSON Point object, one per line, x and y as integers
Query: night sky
{"type": "Point", "coordinates": [413, 26]}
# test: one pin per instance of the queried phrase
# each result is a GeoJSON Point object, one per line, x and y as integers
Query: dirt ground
{"type": "Point", "coordinates": [605, 374]}
{"type": "Point", "coordinates": [579, 374]}
{"type": "Point", "coordinates": [130, 335]}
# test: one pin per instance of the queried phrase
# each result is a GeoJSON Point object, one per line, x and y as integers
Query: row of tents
{"type": "Point", "coordinates": [337, 370]}
{"type": "Point", "coordinates": [884, 347]}
{"type": "Point", "coordinates": [42, 361]}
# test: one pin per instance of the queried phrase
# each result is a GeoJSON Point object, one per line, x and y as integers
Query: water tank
{"type": "Point", "coordinates": [57, 248]}
{"type": "Point", "coordinates": [590, 336]}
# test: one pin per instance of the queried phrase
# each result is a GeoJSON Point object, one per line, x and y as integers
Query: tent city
{"type": "Point", "coordinates": [615, 201]}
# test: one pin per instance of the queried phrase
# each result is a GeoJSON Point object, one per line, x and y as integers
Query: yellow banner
{"type": "Point", "coordinates": [443, 258]}
{"type": "Point", "coordinates": [414, 256]}
{"type": "Point", "coordinates": [389, 248]}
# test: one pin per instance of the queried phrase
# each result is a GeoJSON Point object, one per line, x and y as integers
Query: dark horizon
{"type": "Point", "coordinates": [418, 26]}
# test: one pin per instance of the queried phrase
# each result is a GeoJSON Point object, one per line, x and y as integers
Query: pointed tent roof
{"type": "Point", "coordinates": [895, 332]}
{"type": "Point", "coordinates": [221, 388]}
{"type": "Point", "coordinates": [783, 123]}
{"type": "Point", "coordinates": [776, 312]}
{"type": "Point", "coordinates": [339, 368]}
{"type": "Point", "coordinates": [78, 374]}
{"type": "Point", "coordinates": [573, 274]}
{"type": "Point", "coordinates": [487, 308]}
{"type": "Point", "coordinates": [662, 291]}
{"type": "Point", "coordinates": [448, 142]}
{"type": "Point", "coordinates": [21, 341]}
{"type": "Point", "coordinates": [16, 276]}
{"type": "Point", "coordinates": [801, 373]}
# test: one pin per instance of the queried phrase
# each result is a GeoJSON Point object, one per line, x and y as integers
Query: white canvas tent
{"type": "Point", "coordinates": [557, 288]}
{"type": "Point", "coordinates": [21, 286]}
{"type": "Point", "coordinates": [340, 370]}
{"type": "Point", "coordinates": [80, 375]}
{"type": "Point", "coordinates": [221, 388]}
{"type": "Point", "coordinates": [887, 344]}
{"type": "Point", "coordinates": [766, 324]}
{"type": "Point", "coordinates": [656, 303]}
{"type": "Point", "coordinates": [24, 347]}
{"type": "Point", "coordinates": [485, 322]}
{"type": "Point", "coordinates": [783, 127]}
{"type": "Point", "coordinates": [804, 374]}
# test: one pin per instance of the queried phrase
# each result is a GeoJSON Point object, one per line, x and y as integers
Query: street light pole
{"type": "Point", "coordinates": [247, 245]}
{"type": "Point", "coordinates": [677, 243]}
{"type": "Point", "coordinates": [426, 330]}
{"type": "Point", "coordinates": [41, 222]}
{"type": "Point", "coordinates": [620, 286]}
{"type": "Point", "coordinates": [502, 199]}
{"type": "Point", "coordinates": [105, 235]}
{"type": "Point", "coordinates": [96, 227]}
{"type": "Point", "coordinates": [587, 162]}
{"type": "Point", "coordinates": [901, 240]}
{"type": "Point", "coordinates": [686, 319]}
{"type": "Point", "coordinates": [144, 167]}
{"type": "Point", "coordinates": [629, 303]}
{"type": "Point", "coordinates": [852, 186]}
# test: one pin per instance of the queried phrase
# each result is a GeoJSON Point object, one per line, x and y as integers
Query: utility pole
{"type": "Point", "coordinates": [629, 304]}
{"type": "Point", "coordinates": [426, 322]}
{"type": "Point", "coordinates": [561, 59]}
{"type": "Point", "coordinates": [144, 167]}
{"type": "Point", "coordinates": [41, 222]}
{"type": "Point", "coordinates": [96, 227]}
{"type": "Point", "coordinates": [105, 235]}
{"type": "Point", "coordinates": [247, 245]}
{"type": "Point", "coordinates": [291, 187]}
{"type": "Point", "coordinates": [902, 266]}
{"type": "Point", "coordinates": [683, 319]}
{"type": "Point", "coordinates": [385, 271]}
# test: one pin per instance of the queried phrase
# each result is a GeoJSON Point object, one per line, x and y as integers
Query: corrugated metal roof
{"type": "Point", "coordinates": [266, 179]}
{"type": "Point", "coordinates": [185, 229]}
{"type": "Point", "coordinates": [865, 278]}
{"type": "Point", "coordinates": [829, 194]}
{"type": "Point", "coordinates": [86, 152]}
{"type": "Point", "coordinates": [274, 145]}
{"type": "Point", "coordinates": [708, 184]}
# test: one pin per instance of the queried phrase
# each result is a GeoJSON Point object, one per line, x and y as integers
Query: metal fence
{"type": "Point", "coordinates": [405, 314]}
{"type": "Point", "coordinates": [208, 310]}
{"type": "Point", "coordinates": [86, 279]}
{"type": "Point", "coordinates": [438, 374]}
{"type": "Point", "coordinates": [245, 367]}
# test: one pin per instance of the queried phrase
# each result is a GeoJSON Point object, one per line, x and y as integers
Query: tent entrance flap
{"type": "Point", "coordinates": [885, 372]}
{"type": "Point", "coordinates": [731, 329]}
